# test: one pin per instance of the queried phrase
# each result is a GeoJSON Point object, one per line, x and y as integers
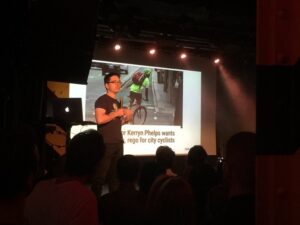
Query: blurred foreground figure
{"type": "Point", "coordinates": [240, 175]}
{"type": "Point", "coordinates": [18, 170]}
{"type": "Point", "coordinates": [67, 199]}
{"type": "Point", "coordinates": [239, 180]}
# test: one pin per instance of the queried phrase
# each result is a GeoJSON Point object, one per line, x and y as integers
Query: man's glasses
{"type": "Point", "coordinates": [114, 82]}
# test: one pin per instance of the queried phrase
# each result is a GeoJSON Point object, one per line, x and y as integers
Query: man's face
{"type": "Point", "coordinates": [114, 84]}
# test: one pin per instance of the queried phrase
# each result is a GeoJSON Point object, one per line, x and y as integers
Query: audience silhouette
{"type": "Point", "coordinates": [170, 202]}
{"type": "Point", "coordinates": [160, 198]}
{"type": "Point", "coordinates": [67, 199]}
{"type": "Point", "coordinates": [126, 204]}
{"type": "Point", "coordinates": [165, 158]}
{"type": "Point", "coordinates": [162, 165]}
{"type": "Point", "coordinates": [202, 177]}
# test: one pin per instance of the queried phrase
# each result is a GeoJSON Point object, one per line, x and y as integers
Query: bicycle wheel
{"type": "Point", "coordinates": [139, 115]}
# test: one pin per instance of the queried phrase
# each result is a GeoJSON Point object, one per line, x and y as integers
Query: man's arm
{"type": "Point", "coordinates": [102, 118]}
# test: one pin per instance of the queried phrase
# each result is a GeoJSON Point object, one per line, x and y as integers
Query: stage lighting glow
{"type": "Point", "coordinates": [217, 60]}
{"type": "Point", "coordinates": [183, 56]}
{"type": "Point", "coordinates": [243, 103]}
{"type": "Point", "coordinates": [152, 51]}
{"type": "Point", "coordinates": [117, 47]}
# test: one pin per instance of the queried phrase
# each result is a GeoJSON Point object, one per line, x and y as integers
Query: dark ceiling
{"type": "Point", "coordinates": [56, 33]}
{"type": "Point", "coordinates": [205, 27]}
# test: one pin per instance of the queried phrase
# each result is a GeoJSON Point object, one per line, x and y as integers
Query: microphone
{"type": "Point", "coordinates": [121, 102]}
{"type": "Point", "coordinates": [123, 118]}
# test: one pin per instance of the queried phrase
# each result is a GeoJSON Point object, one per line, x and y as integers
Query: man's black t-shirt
{"type": "Point", "coordinates": [110, 131]}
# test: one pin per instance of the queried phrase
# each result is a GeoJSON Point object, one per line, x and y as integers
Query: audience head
{"type": "Point", "coordinates": [196, 156]}
{"type": "Point", "coordinates": [165, 157]}
{"type": "Point", "coordinates": [240, 159]}
{"type": "Point", "coordinates": [84, 151]}
{"type": "Point", "coordinates": [128, 168]}
{"type": "Point", "coordinates": [18, 161]}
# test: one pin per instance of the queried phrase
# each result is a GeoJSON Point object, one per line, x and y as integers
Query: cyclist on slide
{"type": "Point", "coordinates": [136, 88]}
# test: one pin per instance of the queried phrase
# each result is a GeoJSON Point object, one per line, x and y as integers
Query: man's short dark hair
{"type": "Point", "coordinates": [83, 153]}
{"type": "Point", "coordinates": [109, 75]}
{"type": "Point", "coordinates": [165, 157]}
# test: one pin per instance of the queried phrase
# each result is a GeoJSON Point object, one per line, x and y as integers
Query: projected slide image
{"type": "Point", "coordinates": [166, 105]}
{"type": "Point", "coordinates": [154, 95]}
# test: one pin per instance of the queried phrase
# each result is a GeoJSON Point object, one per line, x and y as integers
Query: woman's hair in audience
{"type": "Point", "coordinates": [196, 155]}
{"type": "Point", "coordinates": [85, 149]}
